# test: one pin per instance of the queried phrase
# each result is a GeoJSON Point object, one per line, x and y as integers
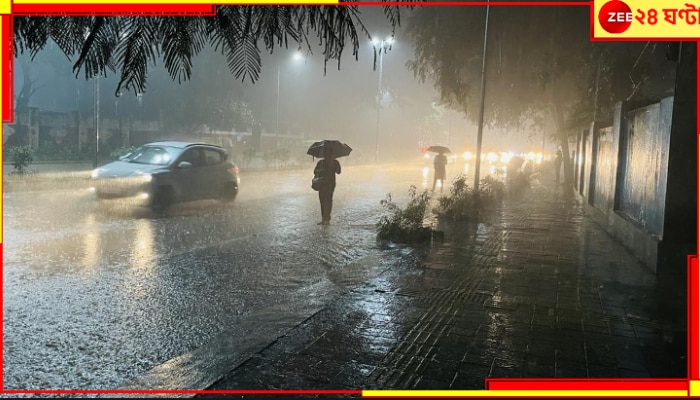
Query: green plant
{"type": "Point", "coordinates": [464, 202]}
{"type": "Point", "coordinates": [460, 203]}
{"type": "Point", "coordinates": [282, 156]}
{"type": "Point", "coordinates": [122, 151]}
{"type": "Point", "coordinates": [405, 225]}
{"type": "Point", "coordinates": [518, 184]}
{"type": "Point", "coordinates": [52, 151]}
{"type": "Point", "coordinates": [268, 158]}
{"type": "Point", "coordinates": [21, 157]}
{"type": "Point", "coordinates": [492, 189]}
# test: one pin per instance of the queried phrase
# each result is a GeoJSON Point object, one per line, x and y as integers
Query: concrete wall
{"type": "Point", "coordinates": [603, 190]}
{"type": "Point", "coordinates": [624, 179]}
{"type": "Point", "coordinates": [38, 128]}
{"type": "Point", "coordinates": [644, 165]}
{"type": "Point", "coordinates": [70, 130]}
{"type": "Point", "coordinates": [639, 177]}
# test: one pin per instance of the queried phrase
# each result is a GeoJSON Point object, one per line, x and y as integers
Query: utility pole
{"type": "Point", "coordinates": [277, 119]}
{"type": "Point", "coordinates": [480, 132]}
{"type": "Point", "coordinates": [544, 137]}
{"type": "Point", "coordinates": [383, 45]}
{"type": "Point", "coordinates": [379, 103]}
{"type": "Point", "coordinates": [97, 118]}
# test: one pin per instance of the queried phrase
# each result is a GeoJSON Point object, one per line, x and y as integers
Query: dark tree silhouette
{"type": "Point", "coordinates": [129, 45]}
{"type": "Point", "coordinates": [540, 62]}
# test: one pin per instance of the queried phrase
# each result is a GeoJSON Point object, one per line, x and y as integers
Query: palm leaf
{"type": "Point", "coordinates": [103, 36]}
{"type": "Point", "coordinates": [135, 52]}
{"type": "Point", "coordinates": [182, 39]}
{"type": "Point", "coordinates": [131, 43]}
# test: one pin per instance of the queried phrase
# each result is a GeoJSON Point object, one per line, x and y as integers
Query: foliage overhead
{"type": "Point", "coordinates": [129, 45]}
{"type": "Point", "coordinates": [539, 62]}
{"type": "Point", "coordinates": [217, 104]}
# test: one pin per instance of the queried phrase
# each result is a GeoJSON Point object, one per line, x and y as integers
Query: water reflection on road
{"type": "Point", "coordinates": [97, 294]}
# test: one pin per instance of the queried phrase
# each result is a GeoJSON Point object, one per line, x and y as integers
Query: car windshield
{"type": "Point", "coordinates": [152, 155]}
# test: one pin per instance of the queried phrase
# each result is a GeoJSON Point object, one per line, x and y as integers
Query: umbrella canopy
{"type": "Point", "coordinates": [329, 149]}
{"type": "Point", "coordinates": [438, 149]}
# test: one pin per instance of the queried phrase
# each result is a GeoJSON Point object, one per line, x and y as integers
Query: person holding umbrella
{"type": "Point", "coordinates": [325, 171]}
{"type": "Point", "coordinates": [439, 164]}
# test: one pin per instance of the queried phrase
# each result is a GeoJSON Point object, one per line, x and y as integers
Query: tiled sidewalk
{"type": "Point", "coordinates": [538, 290]}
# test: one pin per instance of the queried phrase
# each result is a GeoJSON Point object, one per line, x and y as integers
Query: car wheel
{"type": "Point", "coordinates": [163, 198]}
{"type": "Point", "coordinates": [229, 192]}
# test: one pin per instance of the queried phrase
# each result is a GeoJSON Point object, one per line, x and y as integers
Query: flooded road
{"type": "Point", "coordinates": [95, 295]}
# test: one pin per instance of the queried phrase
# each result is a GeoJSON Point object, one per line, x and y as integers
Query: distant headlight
{"type": "Point", "coordinates": [95, 173]}
{"type": "Point", "coordinates": [147, 177]}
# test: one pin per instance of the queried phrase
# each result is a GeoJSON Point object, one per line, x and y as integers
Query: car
{"type": "Point", "coordinates": [161, 174]}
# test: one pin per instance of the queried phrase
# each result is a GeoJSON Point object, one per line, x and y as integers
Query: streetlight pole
{"type": "Point", "coordinates": [277, 119]}
{"type": "Point", "coordinates": [383, 45]}
{"type": "Point", "coordinates": [544, 137]}
{"type": "Point", "coordinates": [379, 105]}
{"type": "Point", "coordinates": [297, 56]}
{"type": "Point", "coordinates": [480, 132]}
{"type": "Point", "coordinates": [97, 118]}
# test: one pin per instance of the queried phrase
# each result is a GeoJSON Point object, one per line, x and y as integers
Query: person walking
{"type": "Point", "coordinates": [325, 172]}
{"type": "Point", "coordinates": [558, 159]}
{"type": "Point", "coordinates": [439, 164]}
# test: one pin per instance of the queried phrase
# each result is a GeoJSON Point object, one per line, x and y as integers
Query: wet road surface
{"type": "Point", "coordinates": [95, 296]}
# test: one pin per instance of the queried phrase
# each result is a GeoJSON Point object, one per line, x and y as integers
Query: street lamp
{"type": "Point", "coordinates": [382, 46]}
{"type": "Point", "coordinates": [298, 56]}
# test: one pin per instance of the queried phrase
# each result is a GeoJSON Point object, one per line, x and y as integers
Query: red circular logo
{"type": "Point", "coordinates": [615, 16]}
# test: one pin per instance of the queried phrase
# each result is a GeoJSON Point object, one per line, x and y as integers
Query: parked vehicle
{"type": "Point", "coordinates": [164, 173]}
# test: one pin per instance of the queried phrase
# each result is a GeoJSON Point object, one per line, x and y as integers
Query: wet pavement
{"type": "Point", "coordinates": [97, 296]}
{"type": "Point", "coordinates": [536, 289]}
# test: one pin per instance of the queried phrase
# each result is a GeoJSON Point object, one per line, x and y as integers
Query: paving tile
{"type": "Point", "coordinates": [470, 377]}
{"type": "Point", "coordinates": [440, 370]}
{"type": "Point", "coordinates": [354, 375]}
{"type": "Point", "coordinates": [602, 371]}
{"type": "Point", "coordinates": [426, 383]}
{"type": "Point", "coordinates": [571, 352]}
{"type": "Point", "coordinates": [632, 373]}
{"type": "Point", "coordinates": [539, 291]}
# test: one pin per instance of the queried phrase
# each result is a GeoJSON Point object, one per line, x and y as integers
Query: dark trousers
{"type": "Point", "coordinates": [325, 195]}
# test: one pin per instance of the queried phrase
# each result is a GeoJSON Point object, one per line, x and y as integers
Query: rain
{"type": "Point", "coordinates": [111, 293]}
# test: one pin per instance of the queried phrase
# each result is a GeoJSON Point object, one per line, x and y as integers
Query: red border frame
{"type": "Point", "coordinates": [115, 9]}
{"type": "Point", "coordinates": [583, 385]}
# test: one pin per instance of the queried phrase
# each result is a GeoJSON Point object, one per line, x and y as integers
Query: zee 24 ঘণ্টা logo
{"type": "Point", "coordinates": [616, 16]}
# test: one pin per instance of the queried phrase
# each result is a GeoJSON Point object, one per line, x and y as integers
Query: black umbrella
{"type": "Point", "coordinates": [438, 149]}
{"type": "Point", "coordinates": [329, 149]}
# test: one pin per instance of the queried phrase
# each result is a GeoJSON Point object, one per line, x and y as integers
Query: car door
{"type": "Point", "coordinates": [213, 179]}
{"type": "Point", "coordinates": [189, 181]}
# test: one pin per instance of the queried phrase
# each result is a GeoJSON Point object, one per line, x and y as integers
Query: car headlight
{"type": "Point", "coordinates": [95, 173]}
{"type": "Point", "coordinates": [147, 177]}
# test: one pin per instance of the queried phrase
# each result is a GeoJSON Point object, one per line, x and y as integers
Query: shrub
{"type": "Point", "coordinates": [405, 225]}
{"type": "Point", "coordinates": [51, 151]}
{"type": "Point", "coordinates": [21, 157]}
{"type": "Point", "coordinates": [459, 203]}
{"type": "Point", "coordinates": [464, 203]}
{"type": "Point", "coordinates": [492, 190]}
{"type": "Point", "coordinates": [518, 184]}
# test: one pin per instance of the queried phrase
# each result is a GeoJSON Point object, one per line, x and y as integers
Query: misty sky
{"type": "Point", "coordinates": [339, 104]}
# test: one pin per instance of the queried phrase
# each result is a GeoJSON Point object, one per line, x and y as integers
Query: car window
{"type": "Point", "coordinates": [152, 155]}
{"type": "Point", "coordinates": [213, 157]}
{"type": "Point", "coordinates": [193, 156]}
